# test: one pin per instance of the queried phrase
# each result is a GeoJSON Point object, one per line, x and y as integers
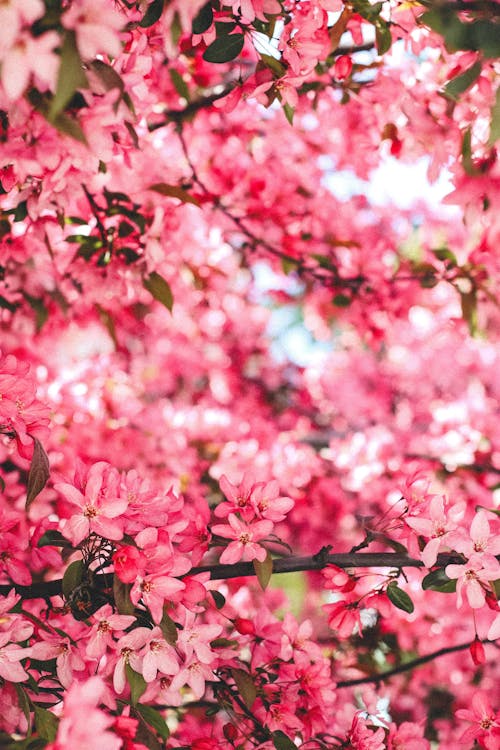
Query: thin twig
{"type": "Point", "coordinates": [406, 667]}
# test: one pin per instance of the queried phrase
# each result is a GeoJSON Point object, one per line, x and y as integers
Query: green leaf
{"type": "Point", "coordinates": [275, 65]}
{"type": "Point", "coordinates": [495, 121]}
{"type": "Point", "coordinates": [442, 253]}
{"type": "Point", "coordinates": [38, 474]}
{"type": "Point", "coordinates": [152, 14]}
{"type": "Point", "coordinates": [218, 598]}
{"type": "Point", "coordinates": [246, 686]}
{"type": "Point", "coordinates": [69, 126]}
{"type": "Point", "coordinates": [38, 307]}
{"type": "Point", "coordinates": [73, 576]}
{"type": "Point", "coordinates": [155, 720]}
{"type": "Point", "coordinates": [224, 48]}
{"type": "Point", "coordinates": [174, 191]}
{"type": "Point", "coordinates": [46, 723]}
{"type": "Point", "coordinates": [342, 300]}
{"type": "Point", "coordinates": [383, 37]}
{"type": "Point", "coordinates": [264, 570]}
{"type": "Point", "coordinates": [159, 289]}
{"type": "Point", "coordinates": [399, 598]}
{"type": "Point", "coordinates": [282, 741]}
{"type": "Point", "coordinates": [179, 83]}
{"type": "Point", "coordinates": [53, 538]}
{"type": "Point", "coordinates": [6, 305]}
{"type": "Point", "coordinates": [137, 684]}
{"type": "Point", "coordinates": [24, 704]}
{"type": "Point", "coordinates": [468, 303]}
{"type": "Point", "coordinates": [462, 82]}
{"type": "Point", "coordinates": [70, 77]}
{"type": "Point", "coordinates": [109, 78]}
{"type": "Point", "coordinates": [204, 19]}
{"type": "Point", "coordinates": [168, 628]}
{"type": "Point", "coordinates": [121, 596]}
{"type": "Point", "coordinates": [437, 580]}
{"type": "Point", "coordinates": [289, 264]}
{"type": "Point", "coordinates": [289, 113]}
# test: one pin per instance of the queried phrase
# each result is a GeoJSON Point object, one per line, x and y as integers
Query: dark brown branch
{"type": "Point", "coordinates": [290, 564]}
{"type": "Point", "coordinates": [406, 667]}
{"type": "Point", "coordinates": [488, 7]}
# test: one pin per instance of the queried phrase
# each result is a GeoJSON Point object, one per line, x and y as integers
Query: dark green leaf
{"type": "Point", "coordinates": [53, 538]}
{"type": "Point", "coordinates": [121, 596]}
{"type": "Point", "coordinates": [264, 570]}
{"type": "Point", "coordinates": [204, 19]}
{"type": "Point", "coordinates": [468, 303]}
{"type": "Point", "coordinates": [168, 628]}
{"type": "Point", "coordinates": [153, 717]}
{"type": "Point", "coordinates": [218, 598]}
{"type": "Point", "coordinates": [152, 14]}
{"type": "Point", "coordinates": [275, 65]}
{"type": "Point", "coordinates": [24, 704]}
{"type": "Point", "coordinates": [342, 300]}
{"type": "Point", "coordinates": [6, 305]}
{"type": "Point", "coordinates": [46, 723]}
{"type": "Point", "coordinates": [174, 191]}
{"type": "Point", "coordinates": [399, 598]}
{"type": "Point", "coordinates": [73, 576]}
{"type": "Point", "coordinates": [159, 289]}
{"type": "Point", "coordinates": [289, 113]}
{"type": "Point", "coordinates": [223, 643]}
{"type": "Point", "coordinates": [442, 253]}
{"type": "Point", "coordinates": [495, 121]}
{"type": "Point", "coordinates": [137, 684]}
{"type": "Point", "coordinates": [383, 37]}
{"type": "Point", "coordinates": [437, 580]}
{"type": "Point", "coordinates": [38, 474]}
{"type": "Point", "coordinates": [462, 82]}
{"type": "Point", "coordinates": [281, 741]}
{"type": "Point", "coordinates": [224, 48]}
{"type": "Point", "coordinates": [69, 126]}
{"type": "Point", "coordinates": [21, 211]}
{"type": "Point", "coordinates": [179, 83]}
{"type": "Point", "coordinates": [107, 75]}
{"type": "Point", "coordinates": [41, 312]}
{"type": "Point", "coordinates": [70, 77]}
{"type": "Point", "coordinates": [246, 686]}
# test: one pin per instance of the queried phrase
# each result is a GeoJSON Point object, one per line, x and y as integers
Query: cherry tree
{"type": "Point", "coordinates": [212, 536]}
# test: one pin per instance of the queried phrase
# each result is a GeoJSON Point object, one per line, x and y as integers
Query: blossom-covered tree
{"type": "Point", "coordinates": [209, 539]}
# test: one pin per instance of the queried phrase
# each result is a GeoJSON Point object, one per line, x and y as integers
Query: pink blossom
{"type": "Point", "coordinates": [101, 635]}
{"type": "Point", "coordinates": [83, 725]}
{"type": "Point", "coordinates": [473, 577]}
{"type": "Point", "coordinates": [66, 654]}
{"type": "Point", "coordinates": [154, 591]}
{"type": "Point", "coordinates": [485, 722]}
{"type": "Point", "coordinates": [193, 673]}
{"type": "Point", "coordinates": [10, 656]}
{"type": "Point", "coordinates": [407, 736]}
{"type": "Point", "coordinates": [437, 527]}
{"type": "Point", "coordinates": [246, 536]}
{"type": "Point", "coordinates": [29, 57]}
{"type": "Point", "coordinates": [97, 27]}
{"type": "Point", "coordinates": [99, 503]}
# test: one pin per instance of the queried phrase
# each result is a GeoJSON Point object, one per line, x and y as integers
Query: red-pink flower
{"type": "Point", "coordinates": [246, 536]}
{"type": "Point", "coordinates": [96, 27]}
{"type": "Point", "coordinates": [473, 577]}
{"type": "Point", "coordinates": [485, 722]}
{"type": "Point", "coordinates": [154, 591]}
{"type": "Point", "coordinates": [99, 504]}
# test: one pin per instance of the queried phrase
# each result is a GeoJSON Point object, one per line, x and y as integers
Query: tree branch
{"type": "Point", "coordinates": [406, 667]}
{"type": "Point", "coordinates": [292, 564]}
